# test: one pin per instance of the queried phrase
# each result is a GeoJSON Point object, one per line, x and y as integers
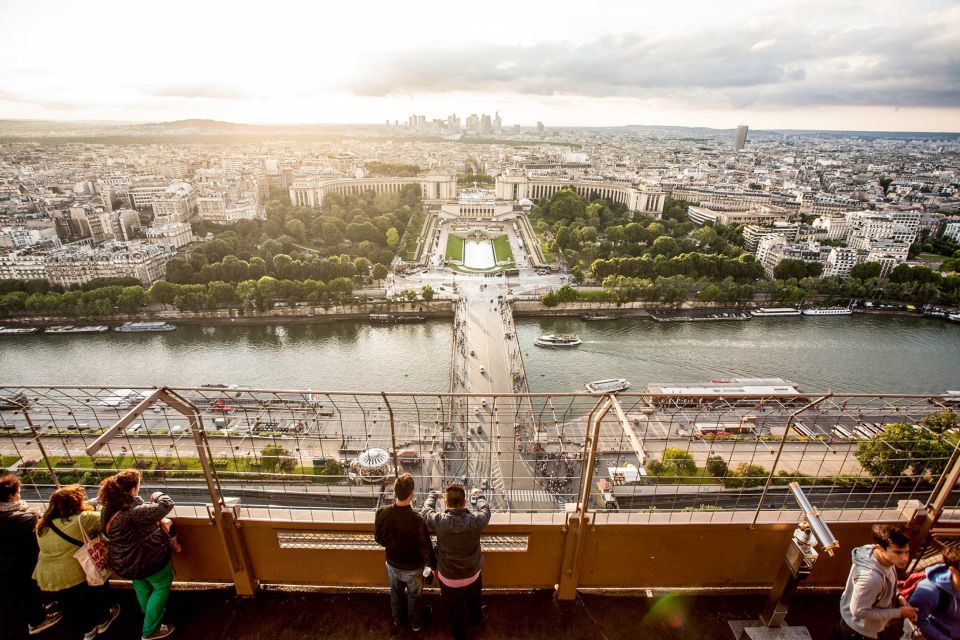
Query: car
{"type": "Point", "coordinates": [176, 430]}
{"type": "Point", "coordinates": [471, 351]}
{"type": "Point", "coordinates": [483, 402]}
{"type": "Point", "coordinates": [482, 370]}
{"type": "Point", "coordinates": [476, 411]}
{"type": "Point", "coordinates": [463, 479]}
{"type": "Point", "coordinates": [480, 429]}
{"type": "Point", "coordinates": [484, 484]}
{"type": "Point", "coordinates": [473, 499]}
{"type": "Point", "coordinates": [135, 428]}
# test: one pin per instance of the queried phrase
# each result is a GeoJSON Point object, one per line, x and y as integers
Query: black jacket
{"type": "Point", "coordinates": [18, 546]}
{"type": "Point", "coordinates": [138, 545]}
{"type": "Point", "coordinates": [458, 537]}
{"type": "Point", "coordinates": [403, 533]}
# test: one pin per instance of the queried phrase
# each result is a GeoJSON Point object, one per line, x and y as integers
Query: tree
{"type": "Point", "coordinates": [678, 462]}
{"type": "Point", "coordinates": [664, 246]}
{"type": "Point", "coordinates": [746, 475]}
{"type": "Point", "coordinates": [393, 238]}
{"type": "Point", "coordinates": [162, 292]}
{"type": "Point", "coordinates": [866, 270]}
{"type": "Point", "coordinates": [296, 229]}
{"type": "Point", "coordinates": [221, 293]}
{"type": "Point", "coordinates": [901, 448]}
{"type": "Point", "coordinates": [131, 299]}
{"type": "Point", "coordinates": [717, 466]}
{"type": "Point", "coordinates": [379, 272]}
{"type": "Point", "coordinates": [179, 271]}
{"type": "Point", "coordinates": [274, 458]}
{"type": "Point", "coordinates": [426, 292]}
{"type": "Point", "coordinates": [942, 421]}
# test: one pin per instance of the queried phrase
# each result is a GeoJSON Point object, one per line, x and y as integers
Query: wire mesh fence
{"type": "Point", "coordinates": [306, 449]}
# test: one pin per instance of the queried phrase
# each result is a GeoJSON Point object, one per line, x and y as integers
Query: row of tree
{"type": "Point", "coordinates": [281, 265]}
{"type": "Point", "coordinates": [696, 265]}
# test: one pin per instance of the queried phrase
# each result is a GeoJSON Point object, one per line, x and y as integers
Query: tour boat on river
{"type": "Point", "coordinates": [827, 311]}
{"type": "Point", "coordinates": [611, 385]}
{"type": "Point", "coordinates": [774, 312]}
{"type": "Point", "coordinates": [13, 331]}
{"type": "Point", "coordinates": [134, 327]}
{"type": "Point", "coordinates": [69, 328]}
{"type": "Point", "coordinates": [567, 340]}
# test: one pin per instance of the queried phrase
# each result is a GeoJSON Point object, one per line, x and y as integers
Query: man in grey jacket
{"type": "Point", "coordinates": [458, 554]}
{"type": "Point", "coordinates": [870, 600]}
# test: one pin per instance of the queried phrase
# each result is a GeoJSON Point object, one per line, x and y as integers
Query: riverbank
{"type": "Point", "coordinates": [240, 317]}
{"type": "Point", "coordinates": [691, 311]}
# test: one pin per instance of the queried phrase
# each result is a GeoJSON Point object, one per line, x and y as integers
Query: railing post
{"type": "Point", "coordinates": [393, 435]}
{"type": "Point", "coordinates": [224, 510]}
{"type": "Point", "coordinates": [578, 515]}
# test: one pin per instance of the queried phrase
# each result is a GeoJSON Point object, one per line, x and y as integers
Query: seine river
{"type": "Point", "coordinates": [856, 354]}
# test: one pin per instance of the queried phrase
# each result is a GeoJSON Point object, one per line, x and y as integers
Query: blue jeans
{"type": "Point", "coordinates": [406, 587]}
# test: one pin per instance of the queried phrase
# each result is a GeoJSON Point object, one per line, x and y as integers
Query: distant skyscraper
{"type": "Point", "coordinates": [741, 139]}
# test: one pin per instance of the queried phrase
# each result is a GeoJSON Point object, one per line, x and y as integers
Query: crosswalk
{"type": "Point", "coordinates": [530, 495]}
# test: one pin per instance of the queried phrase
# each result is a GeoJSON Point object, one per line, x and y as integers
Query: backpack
{"type": "Point", "coordinates": [908, 585]}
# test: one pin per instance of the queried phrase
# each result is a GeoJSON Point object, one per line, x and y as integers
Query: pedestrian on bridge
{"type": "Point", "coordinates": [458, 555]}
{"type": "Point", "coordinates": [402, 532]}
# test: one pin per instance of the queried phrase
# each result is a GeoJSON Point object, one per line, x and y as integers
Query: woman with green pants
{"type": "Point", "coordinates": [139, 546]}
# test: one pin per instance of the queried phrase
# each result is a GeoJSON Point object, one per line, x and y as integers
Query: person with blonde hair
{"type": "Point", "coordinates": [59, 573]}
{"type": "Point", "coordinates": [139, 546]}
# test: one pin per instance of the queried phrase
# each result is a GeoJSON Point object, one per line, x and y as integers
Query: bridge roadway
{"type": "Point", "coordinates": [484, 338]}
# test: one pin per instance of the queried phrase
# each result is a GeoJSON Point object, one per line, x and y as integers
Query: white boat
{"type": "Point", "coordinates": [69, 328]}
{"type": "Point", "coordinates": [13, 331]}
{"type": "Point", "coordinates": [953, 317]}
{"type": "Point", "coordinates": [132, 327]}
{"type": "Point", "coordinates": [611, 385]}
{"type": "Point", "coordinates": [827, 311]}
{"type": "Point", "coordinates": [773, 312]}
{"type": "Point", "coordinates": [567, 340]}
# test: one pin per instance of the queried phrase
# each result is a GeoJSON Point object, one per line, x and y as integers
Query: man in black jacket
{"type": "Point", "coordinates": [18, 557]}
{"type": "Point", "coordinates": [458, 554]}
{"type": "Point", "coordinates": [402, 532]}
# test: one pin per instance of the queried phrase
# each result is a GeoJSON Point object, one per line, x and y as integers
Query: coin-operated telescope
{"type": "Point", "coordinates": [799, 560]}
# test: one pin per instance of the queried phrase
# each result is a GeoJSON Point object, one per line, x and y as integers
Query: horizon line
{"type": "Point", "coordinates": [384, 124]}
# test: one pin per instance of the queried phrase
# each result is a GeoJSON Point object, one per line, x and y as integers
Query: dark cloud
{"type": "Point", "coordinates": [210, 91]}
{"type": "Point", "coordinates": [915, 63]}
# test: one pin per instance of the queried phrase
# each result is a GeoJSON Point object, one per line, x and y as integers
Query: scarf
{"type": "Point", "coordinates": [14, 506]}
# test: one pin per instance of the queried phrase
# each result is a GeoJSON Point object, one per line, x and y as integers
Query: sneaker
{"type": "Point", "coordinates": [49, 621]}
{"type": "Point", "coordinates": [483, 617]}
{"type": "Point", "coordinates": [425, 617]}
{"type": "Point", "coordinates": [162, 632]}
{"type": "Point", "coordinates": [114, 612]}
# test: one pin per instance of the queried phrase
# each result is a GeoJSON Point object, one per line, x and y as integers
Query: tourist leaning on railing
{"type": "Point", "coordinates": [139, 546]}
{"type": "Point", "coordinates": [58, 572]}
{"type": "Point", "coordinates": [18, 557]}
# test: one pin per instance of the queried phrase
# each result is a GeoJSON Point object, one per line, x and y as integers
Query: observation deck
{"type": "Point", "coordinates": [266, 496]}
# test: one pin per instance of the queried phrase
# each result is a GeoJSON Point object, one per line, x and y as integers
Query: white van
{"type": "Point", "coordinates": [135, 428]}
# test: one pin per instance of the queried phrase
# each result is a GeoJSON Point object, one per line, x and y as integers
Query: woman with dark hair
{"type": "Point", "coordinates": [58, 572]}
{"type": "Point", "coordinates": [18, 557]}
{"type": "Point", "coordinates": [139, 546]}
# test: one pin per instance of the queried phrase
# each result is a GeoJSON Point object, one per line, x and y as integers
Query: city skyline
{"type": "Point", "coordinates": [856, 66]}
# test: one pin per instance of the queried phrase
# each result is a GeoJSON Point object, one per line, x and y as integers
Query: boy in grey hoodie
{"type": "Point", "coordinates": [870, 600]}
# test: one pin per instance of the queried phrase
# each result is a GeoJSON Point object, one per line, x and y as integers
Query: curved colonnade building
{"type": "Point", "coordinates": [439, 188]}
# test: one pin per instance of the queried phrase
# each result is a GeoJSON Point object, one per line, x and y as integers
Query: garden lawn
{"type": "Point", "coordinates": [501, 247]}
{"type": "Point", "coordinates": [455, 248]}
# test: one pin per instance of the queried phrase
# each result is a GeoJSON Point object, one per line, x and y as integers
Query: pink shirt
{"type": "Point", "coordinates": [456, 584]}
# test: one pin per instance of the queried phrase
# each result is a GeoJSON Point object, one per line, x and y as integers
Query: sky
{"type": "Point", "coordinates": [812, 64]}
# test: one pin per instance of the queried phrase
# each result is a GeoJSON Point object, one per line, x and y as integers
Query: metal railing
{"type": "Point", "coordinates": [534, 453]}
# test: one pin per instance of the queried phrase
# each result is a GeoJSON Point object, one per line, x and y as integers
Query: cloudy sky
{"type": "Point", "coordinates": [826, 64]}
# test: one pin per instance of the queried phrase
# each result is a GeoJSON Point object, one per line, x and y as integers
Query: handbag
{"type": "Point", "coordinates": [93, 558]}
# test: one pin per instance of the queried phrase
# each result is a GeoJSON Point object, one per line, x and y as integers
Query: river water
{"type": "Point", "coordinates": [857, 353]}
